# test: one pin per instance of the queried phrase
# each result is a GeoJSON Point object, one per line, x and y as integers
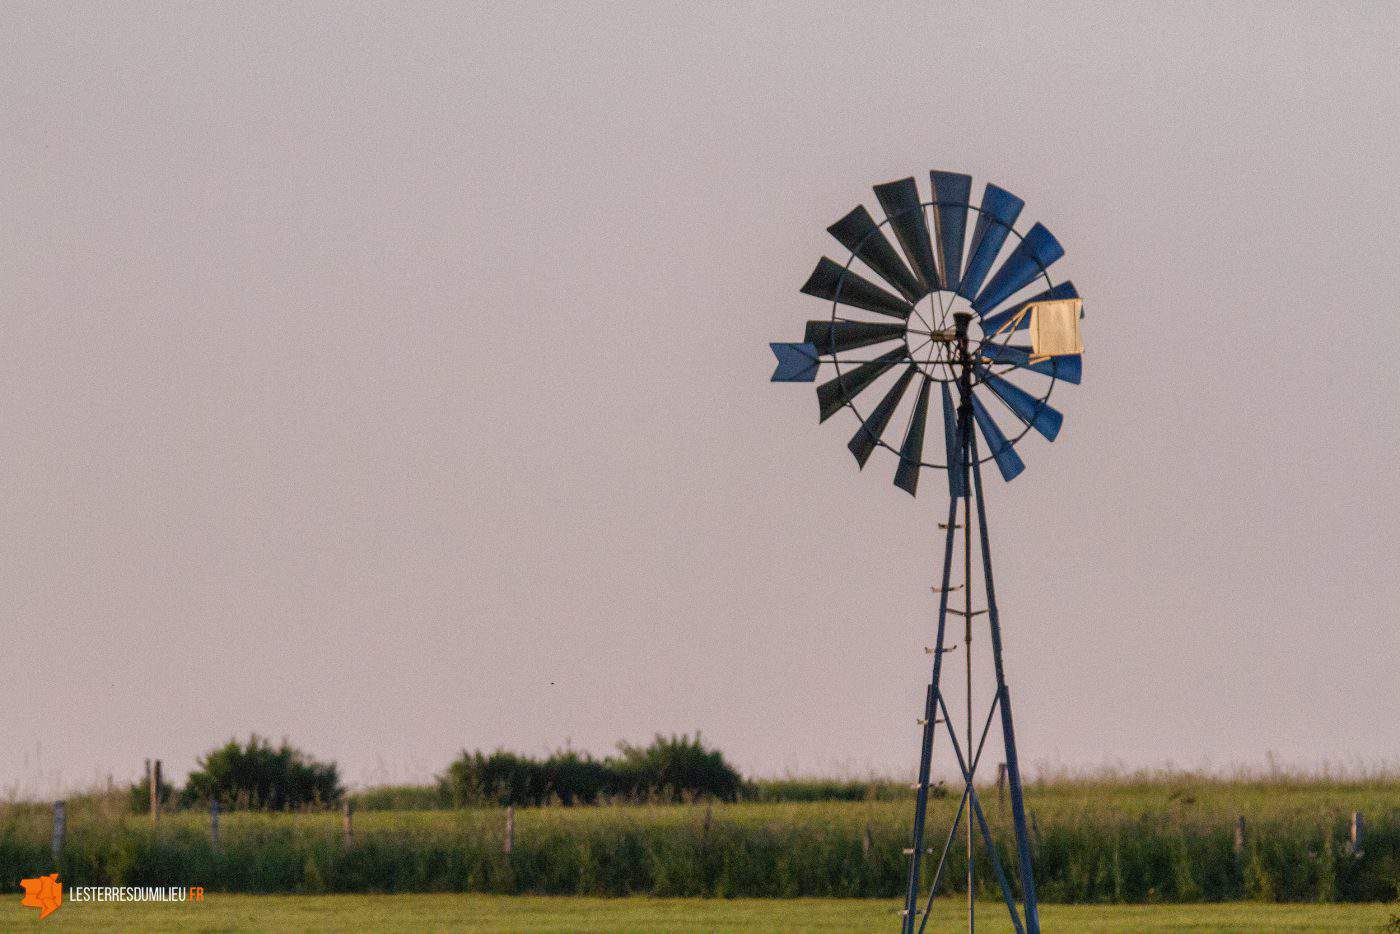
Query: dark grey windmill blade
{"type": "Point", "coordinates": [911, 453]}
{"type": "Point", "coordinates": [867, 436]}
{"type": "Point", "coordinates": [952, 442]}
{"type": "Point", "coordinates": [906, 213]}
{"type": "Point", "coordinates": [953, 192]}
{"type": "Point", "coordinates": [859, 233]}
{"type": "Point", "coordinates": [834, 393]}
{"type": "Point", "coordinates": [1032, 256]}
{"type": "Point", "coordinates": [998, 214]}
{"type": "Point", "coordinates": [835, 283]}
{"type": "Point", "coordinates": [833, 337]}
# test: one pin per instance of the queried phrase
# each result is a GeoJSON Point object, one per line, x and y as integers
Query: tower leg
{"type": "Point", "coordinates": [911, 900]}
{"type": "Point", "coordinates": [1013, 768]}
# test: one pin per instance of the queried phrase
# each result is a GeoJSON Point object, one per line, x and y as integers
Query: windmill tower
{"type": "Point", "coordinates": [958, 326]}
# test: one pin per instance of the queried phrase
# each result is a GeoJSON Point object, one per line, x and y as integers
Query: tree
{"type": "Point", "coordinates": [257, 775]}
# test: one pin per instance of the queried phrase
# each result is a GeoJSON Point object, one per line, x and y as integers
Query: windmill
{"type": "Point", "coordinates": [941, 322]}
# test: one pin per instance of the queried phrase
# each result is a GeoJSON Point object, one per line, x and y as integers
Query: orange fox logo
{"type": "Point", "coordinates": [44, 893]}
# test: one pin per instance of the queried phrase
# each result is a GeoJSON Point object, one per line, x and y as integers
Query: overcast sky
{"type": "Point", "coordinates": [394, 378]}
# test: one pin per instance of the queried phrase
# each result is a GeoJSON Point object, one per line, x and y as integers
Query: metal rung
{"type": "Point", "coordinates": [948, 590]}
{"type": "Point", "coordinates": [930, 650]}
{"type": "Point", "coordinates": [905, 912]}
{"type": "Point", "coordinates": [944, 526]}
{"type": "Point", "coordinates": [924, 721]}
{"type": "Point", "coordinates": [909, 851]}
{"type": "Point", "coordinates": [961, 613]}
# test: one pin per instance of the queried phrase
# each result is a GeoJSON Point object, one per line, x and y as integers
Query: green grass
{"type": "Point", "coordinates": [488, 913]}
{"type": "Point", "coordinates": [1159, 840]}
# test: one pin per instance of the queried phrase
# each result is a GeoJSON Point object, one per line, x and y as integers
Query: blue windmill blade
{"type": "Point", "coordinates": [859, 233]}
{"type": "Point", "coordinates": [835, 393]}
{"type": "Point", "coordinates": [833, 337]}
{"type": "Point", "coordinates": [867, 436]}
{"type": "Point", "coordinates": [1008, 461]}
{"type": "Point", "coordinates": [836, 283]}
{"type": "Point", "coordinates": [1032, 256]}
{"type": "Point", "coordinates": [797, 363]}
{"type": "Point", "coordinates": [1068, 368]}
{"type": "Point", "coordinates": [906, 213]}
{"type": "Point", "coordinates": [991, 324]}
{"type": "Point", "coordinates": [953, 192]}
{"type": "Point", "coordinates": [911, 453]}
{"type": "Point", "coordinates": [1034, 412]}
{"type": "Point", "coordinates": [957, 475]}
{"type": "Point", "coordinates": [998, 213]}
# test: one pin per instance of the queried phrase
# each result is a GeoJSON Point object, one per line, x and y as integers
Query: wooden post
{"type": "Point", "coordinates": [1035, 834]}
{"type": "Point", "coordinates": [509, 843]}
{"type": "Point", "coordinates": [155, 791]}
{"type": "Point", "coordinates": [1239, 835]}
{"type": "Point", "coordinates": [1358, 827]}
{"type": "Point", "coordinates": [705, 828]}
{"type": "Point", "coordinates": [60, 821]}
{"type": "Point", "coordinates": [1001, 784]}
{"type": "Point", "coordinates": [347, 830]}
{"type": "Point", "coordinates": [867, 841]}
{"type": "Point", "coordinates": [214, 823]}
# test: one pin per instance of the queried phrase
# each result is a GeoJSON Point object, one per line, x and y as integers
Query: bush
{"type": "Point", "coordinates": [261, 777]}
{"type": "Point", "coordinates": [668, 769]}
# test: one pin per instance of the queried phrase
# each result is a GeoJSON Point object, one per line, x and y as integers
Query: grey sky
{"type": "Point", "coordinates": [394, 378]}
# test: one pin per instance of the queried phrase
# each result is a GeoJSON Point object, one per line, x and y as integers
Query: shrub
{"type": "Point", "coordinates": [258, 776]}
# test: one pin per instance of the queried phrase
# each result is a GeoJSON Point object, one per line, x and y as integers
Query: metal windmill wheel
{"type": "Point", "coordinates": [914, 332]}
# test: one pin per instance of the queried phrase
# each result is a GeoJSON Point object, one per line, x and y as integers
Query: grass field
{"type": "Point", "coordinates": [487, 913]}
{"type": "Point", "coordinates": [1166, 840]}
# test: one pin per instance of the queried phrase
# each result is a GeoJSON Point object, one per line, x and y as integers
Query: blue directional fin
{"type": "Point", "coordinates": [998, 213]}
{"type": "Point", "coordinates": [911, 453]}
{"type": "Point", "coordinates": [1034, 412]}
{"type": "Point", "coordinates": [1068, 368]}
{"type": "Point", "coordinates": [835, 393]}
{"type": "Point", "coordinates": [1033, 255]}
{"type": "Point", "coordinates": [867, 436]}
{"type": "Point", "coordinates": [957, 476]}
{"type": "Point", "coordinates": [1008, 461]}
{"type": "Point", "coordinates": [797, 363]}
{"type": "Point", "coordinates": [953, 192]}
{"type": "Point", "coordinates": [992, 323]}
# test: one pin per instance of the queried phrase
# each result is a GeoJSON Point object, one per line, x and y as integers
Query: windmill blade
{"type": "Point", "coordinates": [992, 323]}
{"type": "Point", "coordinates": [1034, 412]}
{"type": "Point", "coordinates": [833, 337]}
{"type": "Point", "coordinates": [859, 233]}
{"type": "Point", "coordinates": [1008, 461]}
{"type": "Point", "coordinates": [953, 192]}
{"type": "Point", "coordinates": [911, 453]}
{"type": "Point", "coordinates": [1032, 256]}
{"type": "Point", "coordinates": [999, 211]}
{"type": "Point", "coordinates": [797, 363]}
{"type": "Point", "coordinates": [1068, 368]}
{"type": "Point", "coordinates": [957, 486]}
{"type": "Point", "coordinates": [906, 213]}
{"type": "Point", "coordinates": [835, 283]}
{"type": "Point", "coordinates": [835, 393]}
{"type": "Point", "coordinates": [867, 436]}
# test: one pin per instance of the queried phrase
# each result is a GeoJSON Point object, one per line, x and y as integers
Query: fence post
{"type": "Point", "coordinates": [214, 823]}
{"type": "Point", "coordinates": [1358, 828]}
{"type": "Point", "coordinates": [1001, 784]}
{"type": "Point", "coordinates": [347, 830]}
{"type": "Point", "coordinates": [509, 843]}
{"type": "Point", "coordinates": [867, 840]}
{"type": "Point", "coordinates": [60, 820]}
{"type": "Point", "coordinates": [1239, 835]}
{"type": "Point", "coordinates": [155, 791]}
{"type": "Point", "coordinates": [705, 829]}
